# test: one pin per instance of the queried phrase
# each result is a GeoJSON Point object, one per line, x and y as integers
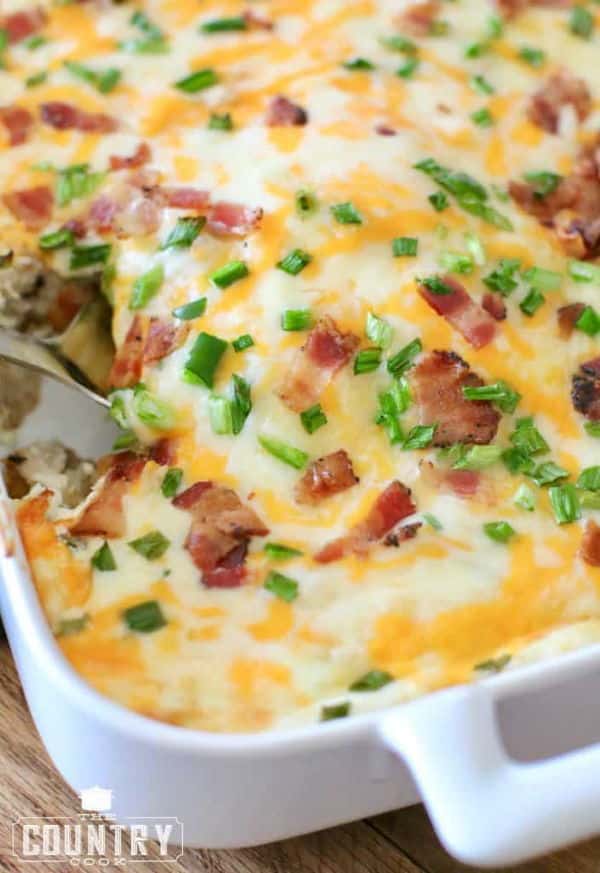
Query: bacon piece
{"type": "Point", "coordinates": [17, 121]}
{"type": "Point", "coordinates": [384, 130]}
{"type": "Point", "coordinates": [102, 213]}
{"type": "Point", "coordinates": [326, 476]}
{"type": "Point", "coordinates": [164, 452]}
{"type": "Point", "coordinates": [76, 226]}
{"type": "Point", "coordinates": [283, 113]}
{"type": "Point", "coordinates": [590, 544]}
{"type": "Point", "coordinates": [32, 206]}
{"type": "Point", "coordinates": [401, 534]}
{"type": "Point", "coordinates": [141, 156]}
{"type": "Point", "coordinates": [103, 515]}
{"type": "Point", "coordinates": [185, 198]}
{"type": "Point", "coordinates": [20, 25]}
{"type": "Point", "coordinates": [438, 380]}
{"type": "Point", "coordinates": [568, 316]}
{"type": "Point", "coordinates": [325, 352]}
{"type": "Point", "coordinates": [390, 508]}
{"type": "Point", "coordinates": [127, 209]}
{"type": "Point", "coordinates": [494, 305]}
{"type": "Point", "coordinates": [255, 21]}
{"type": "Point", "coordinates": [510, 8]}
{"type": "Point", "coordinates": [585, 390]}
{"type": "Point", "coordinates": [219, 534]}
{"type": "Point", "coordinates": [419, 18]}
{"type": "Point", "coordinates": [164, 337]}
{"type": "Point", "coordinates": [65, 116]}
{"type": "Point", "coordinates": [127, 365]}
{"type": "Point", "coordinates": [464, 484]}
{"type": "Point", "coordinates": [466, 316]}
{"type": "Point", "coordinates": [233, 219]}
{"type": "Point", "coordinates": [561, 89]}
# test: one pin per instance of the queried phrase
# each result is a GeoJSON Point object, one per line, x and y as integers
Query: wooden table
{"type": "Point", "coordinates": [398, 842]}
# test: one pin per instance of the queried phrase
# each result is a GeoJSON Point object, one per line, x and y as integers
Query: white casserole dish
{"type": "Point", "coordinates": [450, 748]}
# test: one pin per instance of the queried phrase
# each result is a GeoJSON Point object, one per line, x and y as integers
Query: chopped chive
{"type": "Point", "coordinates": [432, 521]}
{"type": "Point", "coordinates": [171, 482]}
{"type": "Point", "coordinates": [534, 57]}
{"type": "Point", "coordinates": [103, 559]}
{"type": "Point", "coordinates": [527, 437]}
{"type": "Point", "coordinates": [306, 203]}
{"type": "Point", "coordinates": [281, 586]}
{"type": "Point", "coordinates": [191, 310]}
{"type": "Point", "coordinates": [525, 498]}
{"type": "Point", "coordinates": [197, 81]}
{"type": "Point", "coordinates": [532, 302]}
{"type": "Point", "coordinates": [145, 617]}
{"type": "Point", "coordinates": [588, 321]}
{"type": "Point", "coordinates": [581, 22]}
{"type": "Point", "coordinates": [68, 626]}
{"type": "Point", "coordinates": [403, 359]}
{"type": "Point", "coordinates": [151, 546]}
{"type": "Point", "coordinates": [332, 711]}
{"type": "Point", "coordinates": [379, 331]}
{"type": "Point", "coordinates": [153, 411]}
{"type": "Point", "coordinates": [346, 213]}
{"type": "Point", "coordinates": [565, 503]}
{"type": "Point", "coordinates": [367, 360]}
{"type": "Point", "coordinates": [283, 451]}
{"type": "Point", "coordinates": [295, 262]}
{"type": "Point", "coordinates": [547, 473]}
{"type": "Point", "coordinates": [543, 182]}
{"type": "Point", "coordinates": [184, 233]}
{"type": "Point", "coordinates": [436, 285]}
{"type": "Point", "coordinates": [279, 552]}
{"type": "Point", "coordinates": [457, 183]}
{"type": "Point", "coordinates": [229, 273]}
{"type": "Point", "coordinates": [456, 262]}
{"type": "Point", "coordinates": [592, 428]}
{"type": "Point", "coordinates": [62, 238]}
{"type": "Point", "coordinates": [481, 85]}
{"type": "Point", "coordinates": [87, 256]}
{"type": "Point", "coordinates": [103, 80]}
{"type": "Point", "coordinates": [146, 287]}
{"type": "Point", "coordinates": [482, 117]}
{"type": "Point", "coordinates": [313, 418]}
{"type": "Point", "coordinates": [241, 404]}
{"type": "Point", "coordinates": [439, 201]}
{"type": "Point", "coordinates": [500, 393]}
{"type": "Point", "coordinates": [372, 681]}
{"type": "Point", "coordinates": [419, 437]}
{"type": "Point", "coordinates": [502, 278]}
{"type": "Point", "coordinates": [583, 271]}
{"type": "Point", "coordinates": [475, 206]}
{"type": "Point", "coordinates": [296, 319]}
{"type": "Point", "coordinates": [589, 479]}
{"type": "Point", "coordinates": [494, 665]}
{"type": "Point", "coordinates": [220, 122]}
{"type": "Point", "coordinates": [478, 458]}
{"type": "Point", "coordinates": [475, 247]}
{"type": "Point", "coordinates": [405, 246]}
{"type": "Point", "coordinates": [358, 65]}
{"type": "Point", "coordinates": [224, 25]}
{"type": "Point", "coordinates": [499, 531]}
{"type": "Point", "coordinates": [220, 414]}
{"type": "Point", "coordinates": [242, 342]}
{"type": "Point", "coordinates": [204, 358]}
{"type": "Point", "coordinates": [410, 66]}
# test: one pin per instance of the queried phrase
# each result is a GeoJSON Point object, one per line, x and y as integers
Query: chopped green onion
{"type": "Point", "coordinates": [150, 46]}
{"type": "Point", "coordinates": [57, 240]}
{"type": "Point", "coordinates": [241, 405]}
{"type": "Point", "coordinates": [103, 559]}
{"type": "Point", "coordinates": [402, 360]}
{"type": "Point", "coordinates": [543, 280]}
{"type": "Point", "coordinates": [87, 256]}
{"type": "Point", "coordinates": [393, 403]}
{"type": "Point", "coordinates": [204, 358]}
{"type": "Point", "coordinates": [76, 181]}
{"type": "Point", "coordinates": [518, 461]}
{"type": "Point", "coordinates": [281, 586]}
{"type": "Point", "coordinates": [532, 302]}
{"type": "Point", "coordinates": [152, 411]}
{"type": "Point", "coordinates": [589, 479]}
{"type": "Point", "coordinates": [437, 285]}
{"type": "Point", "coordinates": [331, 711]}
{"type": "Point", "coordinates": [145, 617]}
{"type": "Point", "coordinates": [379, 331]}
{"type": "Point", "coordinates": [500, 393]}
{"type": "Point", "coordinates": [502, 279]}
{"type": "Point", "coordinates": [408, 68]}
{"type": "Point", "coordinates": [459, 184]}
{"type": "Point", "coordinates": [184, 233]}
{"type": "Point", "coordinates": [397, 43]}
{"type": "Point", "coordinates": [543, 181]}
{"type": "Point", "coordinates": [33, 42]}
{"type": "Point", "coordinates": [197, 81]}
{"type": "Point", "coordinates": [126, 440]}
{"type": "Point", "coordinates": [475, 247]}
{"type": "Point", "coordinates": [588, 321]}
{"type": "Point", "coordinates": [372, 681]}
{"type": "Point", "coordinates": [140, 20]}
{"type": "Point", "coordinates": [358, 64]}
{"type": "Point", "coordinates": [295, 262]}
{"type": "Point", "coordinates": [346, 213]}
{"type": "Point", "coordinates": [476, 50]}
{"type": "Point", "coordinates": [151, 546]}
{"type": "Point", "coordinates": [220, 415]}
{"type": "Point", "coordinates": [419, 437]}
{"type": "Point", "coordinates": [475, 206]}
{"type": "Point", "coordinates": [296, 319]}
{"type": "Point", "coordinates": [589, 500]}
{"type": "Point", "coordinates": [220, 122]}
{"type": "Point", "coordinates": [283, 451]}
{"type": "Point", "coordinates": [495, 27]}
{"type": "Point", "coordinates": [191, 310]}
{"type": "Point", "coordinates": [103, 80]}
{"type": "Point", "coordinates": [527, 437]}
{"type": "Point", "coordinates": [405, 246]}
{"type": "Point", "coordinates": [494, 665]}
{"type": "Point", "coordinates": [367, 360]}
{"type": "Point", "coordinates": [171, 482]}
{"type": "Point", "coordinates": [432, 521]}
{"type": "Point", "coordinates": [481, 85]}
{"type": "Point", "coordinates": [525, 498]}
{"type": "Point", "coordinates": [455, 262]}
{"type": "Point", "coordinates": [499, 531]}
{"type": "Point", "coordinates": [581, 22]}
{"type": "Point", "coordinates": [565, 503]}
{"type": "Point", "coordinates": [68, 626]}
{"type": "Point", "coordinates": [36, 79]}
{"type": "Point", "coordinates": [547, 473]}
{"type": "Point", "coordinates": [224, 25]}
{"type": "Point", "coordinates": [439, 201]}
{"type": "Point", "coordinates": [306, 203]}
{"type": "Point", "coordinates": [583, 271]}
{"type": "Point", "coordinates": [146, 287]}
{"type": "Point", "coordinates": [478, 458]}
{"type": "Point", "coordinates": [313, 418]}
{"type": "Point", "coordinates": [242, 342]}
{"type": "Point", "coordinates": [117, 410]}
{"type": "Point", "coordinates": [229, 273]}
{"type": "Point", "coordinates": [592, 428]}
{"type": "Point", "coordinates": [279, 552]}
{"type": "Point", "coordinates": [482, 117]}
{"type": "Point", "coordinates": [534, 57]}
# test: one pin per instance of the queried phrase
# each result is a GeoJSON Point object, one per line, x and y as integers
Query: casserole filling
{"type": "Point", "coordinates": [351, 250]}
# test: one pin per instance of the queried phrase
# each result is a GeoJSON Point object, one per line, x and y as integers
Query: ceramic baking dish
{"type": "Point", "coordinates": [494, 761]}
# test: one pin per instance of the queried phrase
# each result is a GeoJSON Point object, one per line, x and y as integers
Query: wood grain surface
{"type": "Point", "coordinates": [398, 842]}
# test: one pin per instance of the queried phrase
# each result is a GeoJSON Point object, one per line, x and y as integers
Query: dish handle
{"type": "Point", "coordinates": [488, 809]}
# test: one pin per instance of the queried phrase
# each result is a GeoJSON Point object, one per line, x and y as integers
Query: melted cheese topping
{"type": "Point", "coordinates": [429, 611]}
